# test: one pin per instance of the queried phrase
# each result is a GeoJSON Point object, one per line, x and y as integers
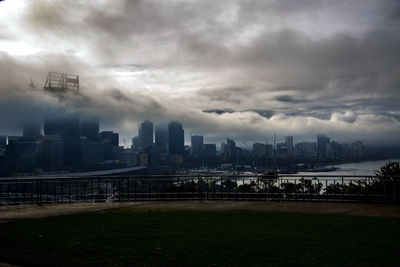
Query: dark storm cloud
{"type": "Point", "coordinates": [290, 99]}
{"type": "Point", "coordinates": [285, 66]}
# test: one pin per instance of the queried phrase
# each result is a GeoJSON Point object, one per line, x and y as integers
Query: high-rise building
{"type": "Point", "coordinates": [223, 148]}
{"type": "Point", "coordinates": [89, 128]}
{"type": "Point", "coordinates": [146, 134]}
{"type": "Point", "coordinates": [197, 144]}
{"type": "Point", "coordinates": [110, 142]}
{"type": "Point", "coordinates": [128, 156]}
{"type": "Point", "coordinates": [27, 154]}
{"type": "Point", "coordinates": [161, 138]}
{"type": "Point", "coordinates": [64, 125]}
{"type": "Point", "coordinates": [111, 136]}
{"type": "Point", "coordinates": [31, 128]}
{"type": "Point", "coordinates": [336, 150]}
{"type": "Point", "coordinates": [53, 156]}
{"type": "Point", "coordinates": [209, 150]}
{"type": "Point", "coordinates": [67, 127]}
{"type": "Point", "coordinates": [176, 138]}
{"type": "Point", "coordinates": [357, 149]}
{"type": "Point", "coordinates": [259, 150]}
{"type": "Point", "coordinates": [135, 143]}
{"type": "Point", "coordinates": [289, 144]}
{"type": "Point", "coordinates": [3, 142]}
{"type": "Point", "coordinates": [270, 151]}
{"type": "Point", "coordinates": [92, 152]}
{"type": "Point", "coordinates": [306, 149]}
{"type": "Point", "coordinates": [230, 152]}
{"type": "Point", "coordinates": [322, 142]}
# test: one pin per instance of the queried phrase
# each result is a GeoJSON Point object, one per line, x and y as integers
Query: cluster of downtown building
{"type": "Point", "coordinates": [73, 143]}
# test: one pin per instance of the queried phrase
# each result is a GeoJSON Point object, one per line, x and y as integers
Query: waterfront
{"type": "Point", "coordinates": [358, 168]}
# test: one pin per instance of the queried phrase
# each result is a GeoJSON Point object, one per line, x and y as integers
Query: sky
{"type": "Point", "coordinates": [241, 69]}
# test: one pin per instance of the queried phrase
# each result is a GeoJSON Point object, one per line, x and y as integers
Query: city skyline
{"type": "Point", "coordinates": [249, 69]}
{"type": "Point", "coordinates": [199, 132]}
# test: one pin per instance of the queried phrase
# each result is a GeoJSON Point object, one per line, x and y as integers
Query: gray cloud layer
{"type": "Point", "coordinates": [290, 67]}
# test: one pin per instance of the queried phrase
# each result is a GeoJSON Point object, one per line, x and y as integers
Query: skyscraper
{"type": "Point", "coordinates": [230, 152]}
{"type": "Point", "coordinates": [3, 142]}
{"type": "Point", "coordinates": [209, 150]}
{"type": "Point", "coordinates": [176, 139]}
{"type": "Point", "coordinates": [110, 144]}
{"type": "Point", "coordinates": [322, 142]}
{"type": "Point", "coordinates": [110, 136]}
{"type": "Point", "coordinates": [161, 138]}
{"type": "Point", "coordinates": [259, 150]}
{"type": "Point", "coordinates": [146, 134]}
{"type": "Point", "coordinates": [89, 128]}
{"type": "Point", "coordinates": [289, 144]}
{"type": "Point", "coordinates": [135, 143]}
{"type": "Point", "coordinates": [31, 128]}
{"type": "Point", "coordinates": [197, 144]}
{"type": "Point", "coordinates": [65, 125]}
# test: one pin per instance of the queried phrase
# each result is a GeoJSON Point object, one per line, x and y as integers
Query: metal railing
{"type": "Point", "coordinates": [14, 191]}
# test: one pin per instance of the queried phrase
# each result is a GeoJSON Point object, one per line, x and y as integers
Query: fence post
{"type": "Point", "coordinates": [342, 189]}
{"type": "Point", "coordinates": [39, 192]}
{"type": "Point", "coordinates": [121, 189]}
{"type": "Point", "coordinates": [16, 192]}
{"type": "Point", "coordinates": [149, 188]}
{"type": "Point", "coordinates": [135, 188]}
{"type": "Point", "coordinates": [394, 191]}
{"type": "Point", "coordinates": [207, 188]}
{"type": "Point", "coordinates": [62, 190]}
{"type": "Point", "coordinates": [84, 191]}
{"type": "Point", "coordinates": [222, 196]}
{"type": "Point", "coordinates": [199, 186]}
{"type": "Point", "coordinates": [91, 189]}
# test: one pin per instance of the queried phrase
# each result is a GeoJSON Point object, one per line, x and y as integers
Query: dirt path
{"type": "Point", "coordinates": [12, 213]}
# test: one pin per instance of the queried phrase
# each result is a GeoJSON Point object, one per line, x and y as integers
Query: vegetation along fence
{"type": "Point", "coordinates": [376, 189]}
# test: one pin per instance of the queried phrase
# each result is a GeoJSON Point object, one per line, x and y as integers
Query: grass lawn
{"type": "Point", "coordinates": [204, 238]}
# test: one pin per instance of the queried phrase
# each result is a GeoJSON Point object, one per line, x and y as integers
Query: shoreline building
{"type": "Point", "coordinates": [176, 142]}
{"type": "Point", "coordinates": [145, 135]}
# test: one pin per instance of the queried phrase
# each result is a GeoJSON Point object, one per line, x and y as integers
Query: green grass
{"type": "Point", "coordinates": [203, 238]}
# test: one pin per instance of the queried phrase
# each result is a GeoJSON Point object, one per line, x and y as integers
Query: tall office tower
{"type": "Point", "coordinates": [110, 136]}
{"type": "Point", "coordinates": [197, 144]}
{"type": "Point", "coordinates": [357, 149]}
{"type": "Point", "coordinates": [92, 152]}
{"type": "Point", "coordinates": [270, 151]}
{"type": "Point", "coordinates": [3, 142]}
{"type": "Point", "coordinates": [223, 148]}
{"type": "Point", "coordinates": [52, 153]}
{"type": "Point", "coordinates": [176, 138]}
{"type": "Point", "coordinates": [322, 142]}
{"type": "Point", "coordinates": [306, 149]}
{"type": "Point", "coordinates": [209, 150]}
{"type": "Point", "coordinates": [110, 142]}
{"type": "Point", "coordinates": [230, 152]}
{"type": "Point", "coordinates": [135, 143]}
{"type": "Point", "coordinates": [289, 144]}
{"type": "Point", "coordinates": [161, 138]}
{"type": "Point", "coordinates": [65, 125]}
{"type": "Point", "coordinates": [89, 128]}
{"type": "Point", "coordinates": [259, 150]}
{"type": "Point", "coordinates": [31, 128]}
{"type": "Point", "coordinates": [146, 134]}
{"type": "Point", "coordinates": [29, 153]}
